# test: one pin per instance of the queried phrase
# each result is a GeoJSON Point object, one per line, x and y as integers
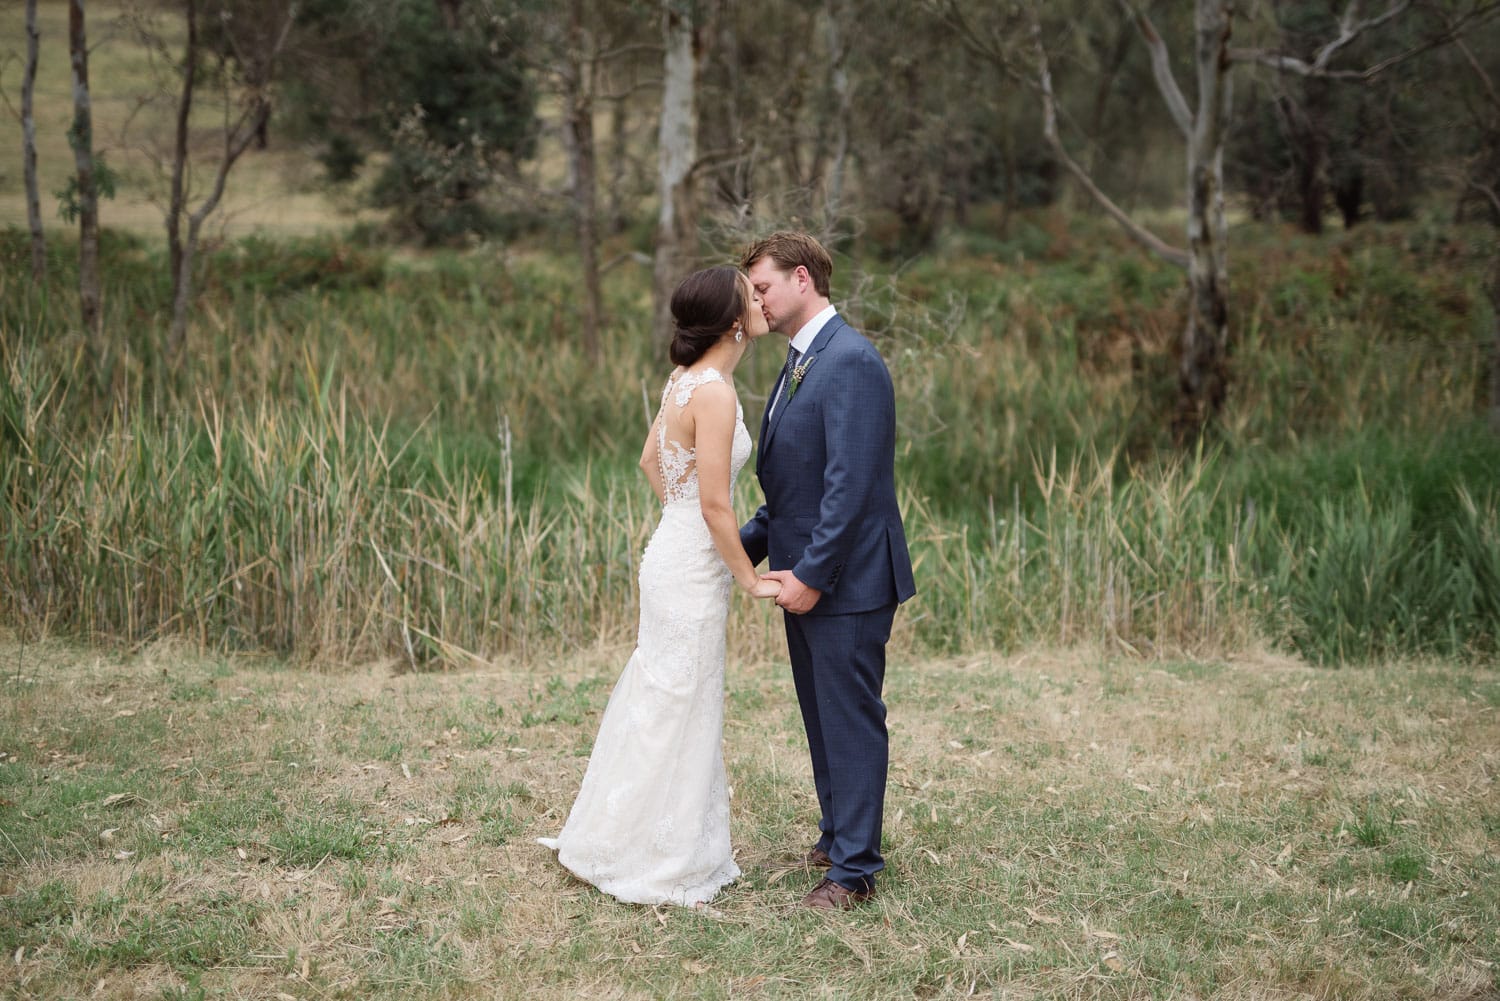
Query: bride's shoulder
{"type": "Point", "coordinates": [709, 389]}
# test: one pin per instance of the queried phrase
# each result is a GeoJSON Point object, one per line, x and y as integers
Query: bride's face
{"type": "Point", "coordinates": [755, 317]}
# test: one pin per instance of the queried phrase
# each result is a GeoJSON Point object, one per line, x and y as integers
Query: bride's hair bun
{"type": "Point", "coordinates": [705, 306]}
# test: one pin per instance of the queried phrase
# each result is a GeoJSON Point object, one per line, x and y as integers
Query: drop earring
{"type": "Point", "coordinates": [739, 334]}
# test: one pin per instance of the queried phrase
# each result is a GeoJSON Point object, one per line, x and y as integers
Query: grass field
{"type": "Point", "coordinates": [1113, 777]}
{"type": "Point", "coordinates": [1059, 825]}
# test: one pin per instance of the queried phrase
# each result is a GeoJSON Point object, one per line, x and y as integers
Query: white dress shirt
{"type": "Point", "coordinates": [802, 341]}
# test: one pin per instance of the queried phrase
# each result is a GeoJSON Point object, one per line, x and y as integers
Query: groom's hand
{"type": "Point", "coordinates": [796, 597]}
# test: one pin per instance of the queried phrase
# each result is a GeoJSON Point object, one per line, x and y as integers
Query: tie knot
{"type": "Point", "coordinates": [792, 356]}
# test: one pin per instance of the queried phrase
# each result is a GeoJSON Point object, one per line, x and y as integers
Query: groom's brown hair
{"type": "Point", "coordinates": [789, 248]}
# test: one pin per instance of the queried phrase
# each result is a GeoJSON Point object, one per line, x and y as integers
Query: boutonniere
{"type": "Point", "coordinates": [799, 372]}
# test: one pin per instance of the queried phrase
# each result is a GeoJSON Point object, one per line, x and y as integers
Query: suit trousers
{"type": "Point", "coordinates": [838, 667]}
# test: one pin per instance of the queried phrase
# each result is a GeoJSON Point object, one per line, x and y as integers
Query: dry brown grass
{"type": "Point", "coordinates": [1058, 825]}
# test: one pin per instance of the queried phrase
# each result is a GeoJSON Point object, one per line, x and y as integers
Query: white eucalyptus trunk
{"type": "Point", "coordinates": [838, 49]}
{"type": "Point", "coordinates": [1202, 366]}
{"type": "Point", "coordinates": [677, 151]}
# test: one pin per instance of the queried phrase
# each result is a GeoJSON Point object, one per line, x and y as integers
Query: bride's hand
{"type": "Point", "coordinates": [765, 588]}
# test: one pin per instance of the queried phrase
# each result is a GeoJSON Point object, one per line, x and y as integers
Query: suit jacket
{"type": "Point", "coordinates": [826, 464]}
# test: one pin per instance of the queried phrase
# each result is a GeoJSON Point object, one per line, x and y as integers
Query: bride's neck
{"type": "Point", "coordinates": [723, 356]}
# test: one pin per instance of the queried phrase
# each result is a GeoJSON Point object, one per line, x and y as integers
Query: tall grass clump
{"type": "Point", "coordinates": [312, 531]}
{"type": "Point", "coordinates": [1368, 581]}
{"type": "Point", "coordinates": [1384, 543]}
{"type": "Point", "coordinates": [1146, 562]}
{"type": "Point", "coordinates": [365, 454]}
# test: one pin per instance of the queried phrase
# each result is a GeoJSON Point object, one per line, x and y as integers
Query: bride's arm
{"type": "Point", "coordinates": [713, 414]}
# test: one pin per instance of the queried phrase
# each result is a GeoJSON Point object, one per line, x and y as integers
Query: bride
{"type": "Point", "coordinates": [651, 821]}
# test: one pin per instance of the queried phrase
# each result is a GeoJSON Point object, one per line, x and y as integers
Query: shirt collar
{"type": "Point", "coordinates": [811, 328]}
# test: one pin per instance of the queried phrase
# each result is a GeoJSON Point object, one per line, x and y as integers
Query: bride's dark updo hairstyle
{"type": "Point", "coordinates": [704, 307]}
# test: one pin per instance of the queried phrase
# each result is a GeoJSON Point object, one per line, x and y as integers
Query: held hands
{"type": "Point", "coordinates": [766, 588]}
{"type": "Point", "coordinates": [796, 597]}
{"type": "Point", "coordinates": [763, 588]}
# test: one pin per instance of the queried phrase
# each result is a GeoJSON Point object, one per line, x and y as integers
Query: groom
{"type": "Point", "coordinates": [832, 532]}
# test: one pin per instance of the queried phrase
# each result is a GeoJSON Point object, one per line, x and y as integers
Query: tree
{"type": "Point", "coordinates": [246, 55]}
{"type": "Point", "coordinates": [28, 148]}
{"type": "Point", "coordinates": [1481, 186]}
{"type": "Point", "coordinates": [1351, 131]}
{"type": "Point", "coordinates": [455, 107]}
{"type": "Point", "coordinates": [838, 28]}
{"type": "Point", "coordinates": [1479, 172]}
{"type": "Point", "coordinates": [1202, 372]}
{"type": "Point", "coordinates": [1203, 346]}
{"type": "Point", "coordinates": [578, 75]}
{"type": "Point", "coordinates": [586, 47]}
{"type": "Point", "coordinates": [85, 191]}
{"type": "Point", "coordinates": [677, 153]}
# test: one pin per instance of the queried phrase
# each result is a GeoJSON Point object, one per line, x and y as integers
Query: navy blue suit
{"type": "Point", "coordinates": [826, 465]}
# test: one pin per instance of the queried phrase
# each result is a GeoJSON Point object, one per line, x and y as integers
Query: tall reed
{"type": "Point", "coordinates": [371, 457]}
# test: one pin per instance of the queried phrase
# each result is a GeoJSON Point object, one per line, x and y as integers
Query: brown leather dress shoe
{"type": "Point", "coordinates": [830, 896]}
{"type": "Point", "coordinates": [817, 857]}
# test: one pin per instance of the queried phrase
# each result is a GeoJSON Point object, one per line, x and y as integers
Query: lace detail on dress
{"type": "Point", "coordinates": [679, 463]}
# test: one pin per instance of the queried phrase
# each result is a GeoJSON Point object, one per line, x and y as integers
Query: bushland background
{"type": "Point", "coordinates": [365, 424]}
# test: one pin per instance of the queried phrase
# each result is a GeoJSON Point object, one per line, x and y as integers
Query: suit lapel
{"type": "Point", "coordinates": [771, 421]}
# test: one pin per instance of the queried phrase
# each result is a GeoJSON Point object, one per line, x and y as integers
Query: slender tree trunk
{"type": "Point", "coordinates": [28, 148]}
{"type": "Point", "coordinates": [1203, 376]}
{"type": "Point", "coordinates": [1312, 160]}
{"type": "Point", "coordinates": [240, 130]}
{"type": "Point", "coordinates": [1494, 292]}
{"type": "Point", "coordinates": [578, 86]}
{"type": "Point", "coordinates": [677, 216]}
{"type": "Point", "coordinates": [236, 141]}
{"type": "Point", "coordinates": [1109, 75]}
{"type": "Point", "coordinates": [178, 193]}
{"type": "Point", "coordinates": [82, 139]}
{"type": "Point", "coordinates": [838, 58]}
{"type": "Point", "coordinates": [739, 187]}
{"type": "Point", "coordinates": [618, 159]}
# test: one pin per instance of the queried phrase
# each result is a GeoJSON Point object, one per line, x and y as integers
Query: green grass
{"type": "Point", "coordinates": [1056, 825]}
{"type": "Point", "coordinates": [370, 456]}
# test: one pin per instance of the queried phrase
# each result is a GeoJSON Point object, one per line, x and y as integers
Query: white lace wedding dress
{"type": "Point", "coordinates": [651, 821]}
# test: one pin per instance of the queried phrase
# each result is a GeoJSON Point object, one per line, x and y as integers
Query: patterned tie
{"type": "Point", "coordinates": [792, 357]}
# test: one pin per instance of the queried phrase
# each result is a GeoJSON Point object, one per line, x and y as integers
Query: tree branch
{"type": "Point", "coordinates": [1132, 228]}
{"type": "Point", "coordinates": [1490, 194]}
{"type": "Point", "coordinates": [967, 33]}
{"type": "Point", "coordinates": [1479, 70]}
{"type": "Point", "coordinates": [1349, 30]}
{"type": "Point", "coordinates": [1161, 68]}
{"type": "Point", "coordinates": [1453, 30]}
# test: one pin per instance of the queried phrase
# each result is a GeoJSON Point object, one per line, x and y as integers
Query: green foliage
{"type": "Point", "coordinates": [460, 104]}
{"type": "Point", "coordinates": [105, 182]}
{"type": "Point", "coordinates": [376, 455]}
{"type": "Point", "coordinates": [261, 266]}
{"type": "Point", "coordinates": [341, 159]}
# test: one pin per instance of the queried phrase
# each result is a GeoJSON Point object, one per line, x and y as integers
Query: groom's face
{"type": "Point", "coordinates": [780, 294]}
